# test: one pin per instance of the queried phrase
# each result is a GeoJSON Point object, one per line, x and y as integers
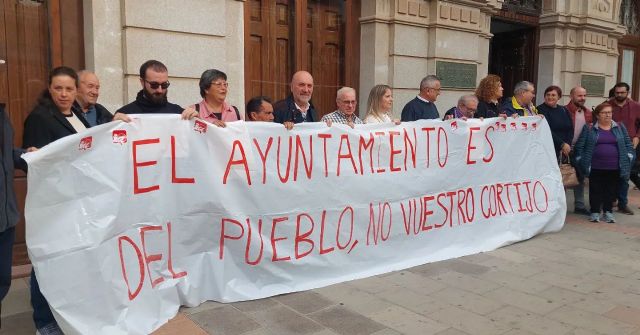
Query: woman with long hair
{"type": "Point", "coordinates": [52, 119]}
{"type": "Point", "coordinates": [489, 93]}
{"type": "Point", "coordinates": [379, 104]}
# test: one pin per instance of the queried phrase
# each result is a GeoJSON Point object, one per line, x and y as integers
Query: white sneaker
{"type": "Point", "coordinates": [594, 217]}
{"type": "Point", "coordinates": [608, 217]}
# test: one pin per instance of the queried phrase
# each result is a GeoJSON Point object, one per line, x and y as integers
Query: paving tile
{"type": "Point", "coordinates": [304, 302]}
{"type": "Point", "coordinates": [415, 282]}
{"type": "Point", "coordinates": [526, 269]}
{"type": "Point", "coordinates": [18, 324]}
{"type": "Point", "coordinates": [468, 322]}
{"type": "Point", "coordinates": [609, 258]}
{"type": "Point", "coordinates": [511, 255]}
{"type": "Point", "coordinates": [570, 283]}
{"type": "Point", "coordinates": [523, 300]}
{"type": "Point", "coordinates": [283, 320]}
{"type": "Point", "coordinates": [207, 305]}
{"type": "Point", "coordinates": [515, 282]}
{"type": "Point", "coordinates": [224, 320]}
{"type": "Point", "coordinates": [452, 331]}
{"type": "Point", "coordinates": [417, 302]}
{"type": "Point", "coordinates": [467, 300]}
{"type": "Point", "coordinates": [461, 266]}
{"type": "Point", "coordinates": [517, 332]}
{"type": "Point", "coordinates": [180, 324]}
{"type": "Point", "coordinates": [605, 279]}
{"type": "Point", "coordinates": [431, 269]}
{"type": "Point", "coordinates": [625, 314]}
{"type": "Point", "coordinates": [407, 322]}
{"type": "Point", "coordinates": [524, 320]}
{"type": "Point", "coordinates": [15, 302]}
{"type": "Point", "coordinates": [343, 321]}
{"type": "Point", "coordinates": [357, 300]}
{"type": "Point", "coordinates": [478, 258]}
{"type": "Point", "coordinates": [386, 331]}
{"type": "Point", "coordinates": [373, 284]}
{"type": "Point", "coordinates": [18, 284]}
{"type": "Point", "coordinates": [466, 282]}
{"type": "Point", "coordinates": [590, 321]}
{"type": "Point", "coordinates": [255, 305]}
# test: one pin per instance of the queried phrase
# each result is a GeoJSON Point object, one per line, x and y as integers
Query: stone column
{"type": "Point", "coordinates": [404, 40]}
{"type": "Point", "coordinates": [579, 46]}
{"type": "Point", "coordinates": [188, 36]}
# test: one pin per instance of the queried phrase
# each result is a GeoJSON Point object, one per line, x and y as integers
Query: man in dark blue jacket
{"type": "Point", "coordinates": [423, 106]}
{"type": "Point", "coordinates": [297, 107]}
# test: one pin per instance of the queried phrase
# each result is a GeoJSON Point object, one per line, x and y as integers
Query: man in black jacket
{"type": "Point", "coordinates": [297, 107]}
{"type": "Point", "coordinates": [10, 159]}
{"type": "Point", "coordinates": [87, 99]}
{"type": "Point", "coordinates": [152, 99]}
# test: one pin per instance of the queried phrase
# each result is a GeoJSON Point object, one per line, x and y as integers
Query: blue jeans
{"type": "Point", "coordinates": [623, 192]}
{"type": "Point", "coordinates": [42, 315]}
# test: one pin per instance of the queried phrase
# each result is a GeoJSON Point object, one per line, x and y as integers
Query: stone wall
{"type": "Point", "coordinates": [189, 36]}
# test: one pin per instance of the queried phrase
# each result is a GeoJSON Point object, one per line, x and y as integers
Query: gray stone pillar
{"type": "Point", "coordinates": [404, 40]}
{"type": "Point", "coordinates": [579, 46]}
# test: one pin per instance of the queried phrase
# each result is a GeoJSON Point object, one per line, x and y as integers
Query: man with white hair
{"type": "Point", "coordinates": [466, 108]}
{"type": "Point", "coordinates": [522, 101]}
{"type": "Point", "coordinates": [423, 107]}
{"type": "Point", "coordinates": [345, 114]}
{"type": "Point", "coordinates": [87, 99]}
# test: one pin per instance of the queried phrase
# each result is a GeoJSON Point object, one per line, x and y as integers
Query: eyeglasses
{"type": "Point", "coordinates": [154, 85]}
{"type": "Point", "coordinates": [221, 84]}
{"type": "Point", "coordinates": [623, 92]}
{"type": "Point", "coordinates": [606, 113]}
{"type": "Point", "coordinates": [349, 102]}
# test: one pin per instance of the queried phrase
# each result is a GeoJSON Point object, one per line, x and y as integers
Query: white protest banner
{"type": "Point", "coordinates": [126, 222]}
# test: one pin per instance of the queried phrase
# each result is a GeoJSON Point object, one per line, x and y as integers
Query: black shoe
{"type": "Point", "coordinates": [582, 211]}
{"type": "Point", "coordinates": [625, 209]}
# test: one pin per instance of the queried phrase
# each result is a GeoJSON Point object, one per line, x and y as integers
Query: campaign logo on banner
{"type": "Point", "coordinates": [186, 212]}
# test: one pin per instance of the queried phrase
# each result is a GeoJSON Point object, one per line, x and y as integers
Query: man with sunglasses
{"type": "Point", "coordinates": [423, 106]}
{"type": "Point", "coordinates": [154, 78]}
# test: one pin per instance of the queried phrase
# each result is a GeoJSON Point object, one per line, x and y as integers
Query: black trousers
{"type": "Point", "coordinates": [603, 189]}
{"type": "Point", "coordinates": [6, 254]}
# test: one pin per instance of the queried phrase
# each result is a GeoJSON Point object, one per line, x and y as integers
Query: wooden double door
{"type": "Point", "coordinates": [285, 36]}
{"type": "Point", "coordinates": [34, 37]}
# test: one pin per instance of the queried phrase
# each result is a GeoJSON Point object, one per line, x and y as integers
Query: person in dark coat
{"type": "Point", "coordinates": [152, 98]}
{"type": "Point", "coordinates": [53, 118]}
{"type": "Point", "coordinates": [423, 106]}
{"type": "Point", "coordinates": [297, 107]}
{"type": "Point", "coordinates": [9, 160]}
{"type": "Point", "coordinates": [489, 93]}
{"type": "Point", "coordinates": [87, 99]}
{"type": "Point", "coordinates": [559, 120]}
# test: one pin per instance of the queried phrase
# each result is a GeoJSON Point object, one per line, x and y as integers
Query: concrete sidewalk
{"type": "Point", "coordinates": [582, 280]}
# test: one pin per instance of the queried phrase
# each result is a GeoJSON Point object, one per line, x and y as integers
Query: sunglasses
{"type": "Point", "coordinates": [154, 85]}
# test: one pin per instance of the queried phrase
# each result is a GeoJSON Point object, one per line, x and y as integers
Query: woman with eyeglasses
{"type": "Point", "coordinates": [604, 153]}
{"type": "Point", "coordinates": [213, 107]}
{"type": "Point", "coordinates": [52, 119]}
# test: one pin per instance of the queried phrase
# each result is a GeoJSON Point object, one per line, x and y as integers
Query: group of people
{"type": "Point", "coordinates": [601, 147]}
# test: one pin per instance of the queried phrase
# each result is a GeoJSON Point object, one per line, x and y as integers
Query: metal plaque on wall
{"type": "Point", "coordinates": [456, 75]}
{"type": "Point", "coordinates": [593, 84]}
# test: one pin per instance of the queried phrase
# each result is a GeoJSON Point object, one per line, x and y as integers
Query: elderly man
{"type": "Point", "coordinates": [522, 101]}
{"type": "Point", "coordinates": [580, 115]}
{"type": "Point", "coordinates": [627, 112]}
{"type": "Point", "coordinates": [297, 107]}
{"type": "Point", "coordinates": [423, 107]}
{"type": "Point", "coordinates": [346, 102]}
{"type": "Point", "coordinates": [466, 108]}
{"type": "Point", "coordinates": [87, 99]}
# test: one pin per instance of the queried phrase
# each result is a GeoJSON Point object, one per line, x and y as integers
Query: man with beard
{"type": "Point", "coordinates": [87, 99]}
{"type": "Point", "coordinates": [297, 106]}
{"type": "Point", "coordinates": [580, 115]}
{"type": "Point", "coordinates": [627, 112]}
{"type": "Point", "coordinates": [154, 78]}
